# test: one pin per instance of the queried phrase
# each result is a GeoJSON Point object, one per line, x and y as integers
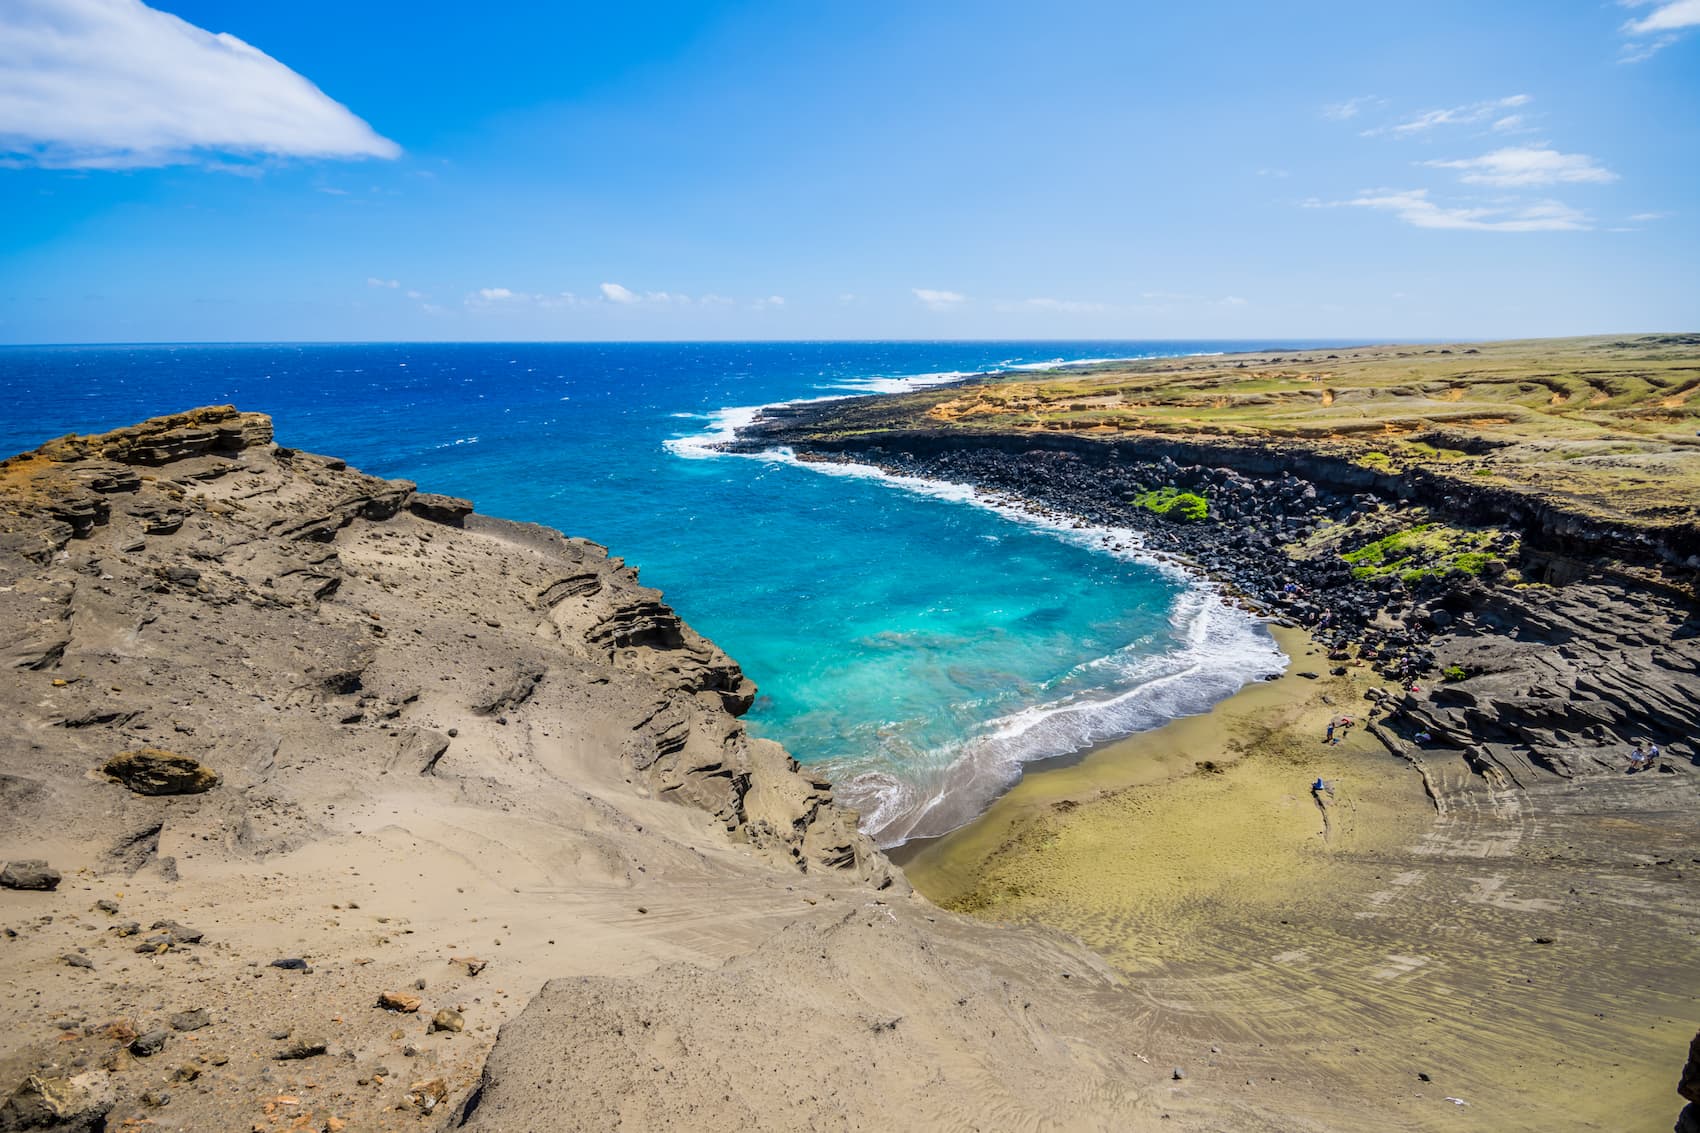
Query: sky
{"type": "Point", "coordinates": [829, 169]}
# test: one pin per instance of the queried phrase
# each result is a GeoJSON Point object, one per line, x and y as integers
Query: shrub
{"type": "Point", "coordinates": [1171, 503]}
{"type": "Point", "coordinates": [1454, 673]}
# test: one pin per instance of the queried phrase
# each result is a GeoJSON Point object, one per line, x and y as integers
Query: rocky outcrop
{"type": "Point", "coordinates": [1688, 1086]}
{"type": "Point", "coordinates": [191, 557]}
{"type": "Point", "coordinates": [151, 771]}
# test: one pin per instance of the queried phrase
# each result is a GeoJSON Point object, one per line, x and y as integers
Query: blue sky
{"type": "Point", "coordinates": [428, 170]}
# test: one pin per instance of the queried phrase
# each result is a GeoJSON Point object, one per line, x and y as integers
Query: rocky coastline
{"type": "Point", "coordinates": [332, 804]}
{"type": "Point", "coordinates": [1548, 656]}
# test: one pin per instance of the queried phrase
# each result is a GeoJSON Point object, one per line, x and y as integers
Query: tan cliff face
{"type": "Point", "coordinates": [355, 611]}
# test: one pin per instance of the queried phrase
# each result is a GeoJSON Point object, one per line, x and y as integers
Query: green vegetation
{"type": "Point", "coordinates": [1454, 673]}
{"type": "Point", "coordinates": [1171, 503]}
{"type": "Point", "coordinates": [1424, 550]}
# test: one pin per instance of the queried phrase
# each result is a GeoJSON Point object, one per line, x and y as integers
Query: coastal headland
{"type": "Point", "coordinates": [333, 804]}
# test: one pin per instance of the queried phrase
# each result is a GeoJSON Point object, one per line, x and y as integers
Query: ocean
{"type": "Point", "coordinates": [915, 643]}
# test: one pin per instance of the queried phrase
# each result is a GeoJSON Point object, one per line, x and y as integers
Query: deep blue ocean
{"type": "Point", "coordinates": [919, 645]}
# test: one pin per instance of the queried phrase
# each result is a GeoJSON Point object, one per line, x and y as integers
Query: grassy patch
{"type": "Point", "coordinates": [1423, 550]}
{"type": "Point", "coordinates": [1171, 503]}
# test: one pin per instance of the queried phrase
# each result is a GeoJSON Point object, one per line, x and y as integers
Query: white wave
{"type": "Point", "coordinates": [1221, 651]}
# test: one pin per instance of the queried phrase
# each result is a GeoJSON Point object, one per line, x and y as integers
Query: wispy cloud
{"type": "Point", "coordinates": [1522, 166]}
{"type": "Point", "coordinates": [1646, 217]}
{"type": "Point", "coordinates": [1671, 15]}
{"type": "Point", "coordinates": [1665, 23]}
{"type": "Point", "coordinates": [1414, 207]}
{"type": "Point", "coordinates": [115, 84]}
{"type": "Point", "coordinates": [939, 300]}
{"type": "Point", "coordinates": [615, 293]}
{"type": "Point", "coordinates": [1351, 108]}
{"type": "Point", "coordinates": [499, 294]}
{"type": "Point", "coordinates": [1467, 114]}
{"type": "Point", "coordinates": [374, 281]}
{"type": "Point", "coordinates": [769, 301]}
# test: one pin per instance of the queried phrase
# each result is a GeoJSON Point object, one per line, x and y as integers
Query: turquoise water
{"type": "Point", "coordinates": [916, 643]}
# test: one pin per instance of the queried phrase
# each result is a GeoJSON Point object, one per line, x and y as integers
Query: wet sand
{"type": "Point", "coordinates": [1531, 952]}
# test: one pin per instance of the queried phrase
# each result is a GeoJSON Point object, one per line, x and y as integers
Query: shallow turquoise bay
{"type": "Point", "coordinates": [917, 645]}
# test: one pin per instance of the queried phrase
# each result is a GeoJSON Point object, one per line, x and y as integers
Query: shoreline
{"type": "Point", "coordinates": [1152, 755]}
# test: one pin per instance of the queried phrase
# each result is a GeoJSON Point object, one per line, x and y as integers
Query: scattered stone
{"type": "Point", "coordinates": [150, 1044]}
{"type": "Point", "coordinates": [398, 1001]}
{"type": "Point", "coordinates": [291, 964]}
{"type": "Point", "coordinates": [155, 771]}
{"type": "Point", "coordinates": [1422, 1077]}
{"type": "Point", "coordinates": [448, 1020]}
{"type": "Point", "coordinates": [185, 1073]}
{"type": "Point", "coordinates": [473, 964]}
{"type": "Point", "coordinates": [32, 873]}
{"type": "Point", "coordinates": [279, 1036]}
{"type": "Point", "coordinates": [64, 1105]}
{"type": "Point", "coordinates": [1177, 1073]}
{"type": "Point", "coordinates": [179, 934]}
{"type": "Point", "coordinates": [190, 1020]}
{"type": "Point", "coordinates": [428, 1095]}
{"type": "Point", "coordinates": [127, 928]}
{"type": "Point", "coordinates": [107, 906]}
{"type": "Point", "coordinates": [156, 1098]}
{"type": "Point", "coordinates": [77, 960]}
{"type": "Point", "coordinates": [301, 1048]}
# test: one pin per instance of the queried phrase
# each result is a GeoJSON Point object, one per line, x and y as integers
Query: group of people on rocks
{"type": "Point", "coordinates": [1642, 758]}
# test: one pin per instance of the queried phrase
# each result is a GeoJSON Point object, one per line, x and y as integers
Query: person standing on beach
{"type": "Point", "coordinates": [1329, 738]}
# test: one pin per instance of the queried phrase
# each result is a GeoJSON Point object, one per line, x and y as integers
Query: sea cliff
{"type": "Point", "coordinates": [315, 781]}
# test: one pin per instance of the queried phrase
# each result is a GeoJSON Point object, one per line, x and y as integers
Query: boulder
{"type": "Point", "coordinates": [155, 771]}
{"type": "Point", "coordinates": [31, 874]}
{"type": "Point", "coordinates": [64, 1105]}
{"type": "Point", "coordinates": [1689, 1084]}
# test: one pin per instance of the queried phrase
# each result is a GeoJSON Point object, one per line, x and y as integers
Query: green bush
{"type": "Point", "coordinates": [1171, 503]}
{"type": "Point", "coordinates": [1453, 673]}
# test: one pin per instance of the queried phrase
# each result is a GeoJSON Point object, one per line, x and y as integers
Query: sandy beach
{"type": "Point", "coordinates": [1353, 943]}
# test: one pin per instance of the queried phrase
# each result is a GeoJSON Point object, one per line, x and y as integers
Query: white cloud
{"type": "Point", "coordinates": [1673, 15]}
{"type": "Point", "coordinates": [770, 301]}
{"type": "Point", "coordinates": [614, 293]}
{"type": "Point", "coordinates": [497, 294]}
{"type": "Point", "coordinates": [939, 300]}
{"type": "Point", "coordinates": [1645, 217]}
{"type": "Point", "coordinates": [1641, 52]}
{"type": "Point", "coordinates": [374, 281]}
{"type": "Point", "coordinates": [1518, 166]}
{"type": "Point", "coordinates": [1414, 208]}
{"type": "Point", "coordinates": [115, 84]}
{"type": "Point", "coordinates": [415, 294]}
{"type": "Point", "coordinates": [1508, 123]}
{"type": "Point", "coordinates": [1351, 108]}
{"type": "Point", "coordinates": [713, 300]}
{"type": "Point", "coordinates": [1450, 116]}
